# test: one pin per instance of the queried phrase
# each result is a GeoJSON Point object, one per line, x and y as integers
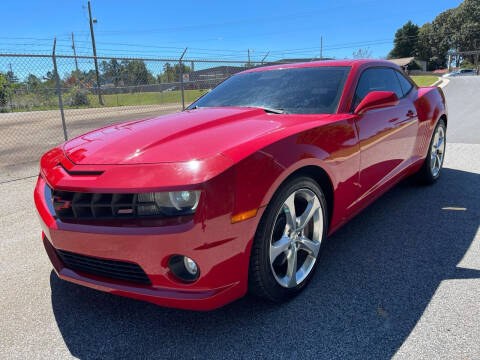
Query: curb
{"type": "Point", "coordinates": [441, 83]}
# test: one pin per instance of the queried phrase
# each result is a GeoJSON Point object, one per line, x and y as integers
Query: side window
{"type": "Point", "coordinates": [376, 79]}
{"type": "Point", "coordinates": [404, 83]}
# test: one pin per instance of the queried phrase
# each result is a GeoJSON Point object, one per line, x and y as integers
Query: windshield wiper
{"type": "Point", "coordinates": [266, 109]}
{"type": "Point", "coordinates": [272, 110]}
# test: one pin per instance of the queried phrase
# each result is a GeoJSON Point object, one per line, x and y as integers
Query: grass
{"type": "Point", "coordinates": [147, 98]}
{"type": "Point", "coordinates": [129, 99]}
{"type": "Point", "coordinates": [424, 80]}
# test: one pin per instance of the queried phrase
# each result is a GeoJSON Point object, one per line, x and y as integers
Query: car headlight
{"type": "Point", "coordinates": [172, 203]}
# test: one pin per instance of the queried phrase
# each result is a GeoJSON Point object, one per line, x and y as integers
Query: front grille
{"type": "Point", "coordinates": [70, 205]}
{"type": "Point", "coordinates": [118, 270]}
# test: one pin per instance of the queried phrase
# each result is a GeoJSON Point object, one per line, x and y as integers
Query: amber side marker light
{"type": "Point", "coordinates": [244, 216]}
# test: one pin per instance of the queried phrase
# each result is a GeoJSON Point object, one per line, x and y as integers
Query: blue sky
{"type": "Point", "coordinates": [212, 29]}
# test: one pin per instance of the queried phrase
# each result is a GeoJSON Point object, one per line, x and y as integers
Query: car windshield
{"type": "Point", "coordinates": [306, 90]}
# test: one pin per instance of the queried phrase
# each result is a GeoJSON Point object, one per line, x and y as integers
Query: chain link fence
{"type": "Point", "coordinates": [46, 99]}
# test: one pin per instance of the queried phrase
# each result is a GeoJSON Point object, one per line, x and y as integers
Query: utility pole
{"type": "Point", "coordinates": [11, 69]}
{"type": "Point", "coordinates": [100, 101]}
{"type": "Point", "coordinates": [74, 53]}
{"type": "Point", "coordinates": [248, 57]}
{"type": "Point", "coordinates": [321, 47]}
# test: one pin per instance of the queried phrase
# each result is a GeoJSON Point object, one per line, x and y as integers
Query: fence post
{"type": "Point", "coordinates": [59, 90]}
{"type": "Point", "coordinates": [10, 101]}
{"type": "Point", "coordinates": [181, 78]}
{"type": "Point", "coordinates": [268, 52]}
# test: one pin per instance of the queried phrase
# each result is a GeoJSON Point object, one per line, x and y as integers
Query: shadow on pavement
{"type": "Point", "coordinates": [377, 275]}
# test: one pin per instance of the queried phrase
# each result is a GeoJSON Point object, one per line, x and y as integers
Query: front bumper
{"type": "Point", "coordinates": [221, 250]}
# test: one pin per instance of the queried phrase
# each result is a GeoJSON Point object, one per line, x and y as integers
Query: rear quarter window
{"type": "Point", "coordinates": [404, 83]}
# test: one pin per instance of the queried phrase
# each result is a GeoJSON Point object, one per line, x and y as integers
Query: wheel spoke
{"type": "Point", "coordinates": [435, 139]}
{"type": "Point", "coordinates": [310, 246]}
{"type": "Point", "coordinates": [440, 142]}
{"type": "Point", "coordinates": [292, 267]}
{"type": "Point", "coordinates": [279, 247]}
{"type": "Point", "coordinates": [289, 209]}
{"type": "Point", "coordinates": [312, 207]}
{"type": "Point", "coordinates": [439, 161]}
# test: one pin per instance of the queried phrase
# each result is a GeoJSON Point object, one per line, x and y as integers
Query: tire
{"type": "Point", "coordinates": [276, 245]}
{"type": "Point", "coordinates": [432, 166]}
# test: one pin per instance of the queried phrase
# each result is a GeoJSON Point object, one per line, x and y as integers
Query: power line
{"type": "Point", "coordinates": [289, 17]}
{"type": "Point", "coordinates": [197, 52]}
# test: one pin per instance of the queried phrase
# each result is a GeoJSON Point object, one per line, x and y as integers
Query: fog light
{"type": "Point", "coordinates": [183, 268]}
{"type": "Point", "coordinates": [190, 265]}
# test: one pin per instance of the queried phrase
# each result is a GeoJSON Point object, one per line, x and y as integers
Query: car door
{"type": "Point", "coordinates": [387, 135]}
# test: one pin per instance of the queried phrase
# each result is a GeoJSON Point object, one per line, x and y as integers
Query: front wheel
{"type": "Point", "coordinates": [289, 240]}
{"type": "Point", "coordinates": [432, 166]}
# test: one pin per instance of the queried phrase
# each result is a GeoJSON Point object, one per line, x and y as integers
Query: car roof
{"type": "Point", "coordinates": [320, 63]}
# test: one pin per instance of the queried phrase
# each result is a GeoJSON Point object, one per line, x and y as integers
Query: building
{"type": "Point", "coordinates": [210, 77]}
{"type": "Point", "coordinates": [410, 63]}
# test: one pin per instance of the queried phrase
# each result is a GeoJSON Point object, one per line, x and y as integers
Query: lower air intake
{"type": "Point", "coordinates": [118, 270]}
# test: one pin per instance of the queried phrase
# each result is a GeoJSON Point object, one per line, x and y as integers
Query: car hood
{"type": "Point", "coordinates": [192, 134]}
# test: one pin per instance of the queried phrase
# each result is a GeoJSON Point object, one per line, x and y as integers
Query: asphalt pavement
{"type": "Point", "coordinates": [402, 280]}
{"type": "Point", "coordinates": [26, 136]}
{"type": "Point", "coordinates": [463, 102]}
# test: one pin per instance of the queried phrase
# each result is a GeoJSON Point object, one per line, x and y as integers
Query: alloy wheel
{"type": "Point", "coordinates": [296, 238]}
{"type": "Point", "coordinates": [437, 151]}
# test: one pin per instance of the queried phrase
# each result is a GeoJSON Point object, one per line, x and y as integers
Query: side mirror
{"type": "Point", "coordinates": [376, 100]}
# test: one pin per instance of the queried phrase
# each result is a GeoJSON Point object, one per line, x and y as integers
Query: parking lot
{"type": "Point", "coordinates": [26, 135]}
{"type": "Point", "coordinates": [401, 279]}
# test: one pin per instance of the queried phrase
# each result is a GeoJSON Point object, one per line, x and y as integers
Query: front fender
{"type": "Point", "coordinates": [333, 148]}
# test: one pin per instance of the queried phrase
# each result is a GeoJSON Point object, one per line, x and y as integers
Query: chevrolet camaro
{"type": "Point", "coordinates": [239, 191]}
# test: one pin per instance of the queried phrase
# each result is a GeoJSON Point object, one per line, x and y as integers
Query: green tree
{"type": "Point", "coordinates": [112, 71]}
{"type": "Point", "coordinates": [135, 72]}
{"type": "Point", "coordinates": [455, 29]}
{"type": "Point", "coordinates": [464, 27]}
{"type": "Point", "coordinates": [405, 42]}
{"type": "Point", "coordinates": [168, 74]}
{"type": "Point", "coordinates": [33, 82]}
{"type": "Point", "coordinates": [172, 73]}
{"type": "Point", "coordinates": [425, 44]}
{"type": "Point", "coordinates": [4, 90]}
{"type": "Point", "coordinates": [79, 78]}
{"type": "Point", "coordinates": [49, 80]}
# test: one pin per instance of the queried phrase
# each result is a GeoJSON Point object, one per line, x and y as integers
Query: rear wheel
{"type": "Point", "coordinates": [432, 166]}
{"type": "Point", "coordinates": [289, 240]}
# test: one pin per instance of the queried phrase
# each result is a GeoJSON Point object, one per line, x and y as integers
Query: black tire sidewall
{"type": "Point", "coordinates": [271, 287]}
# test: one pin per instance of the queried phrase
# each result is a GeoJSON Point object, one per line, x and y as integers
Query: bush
{"type": "Point", "coordinates": [4, 88]}
{"type": "Point", "coordinates": [78, 97]}
{"type": "Point", "coordinates": [466, 64]}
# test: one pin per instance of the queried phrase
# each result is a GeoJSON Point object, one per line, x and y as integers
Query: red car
{"type": "Point", "coordinates": [241, 190]}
